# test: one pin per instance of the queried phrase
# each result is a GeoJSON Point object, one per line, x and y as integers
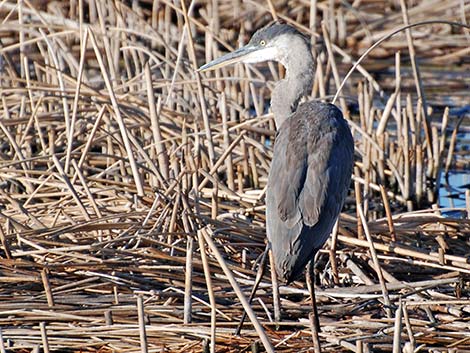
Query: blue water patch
{"type": "Point", "coordinates": [452, 191]}
{"type": "Point", "coordinates": [457, 181]}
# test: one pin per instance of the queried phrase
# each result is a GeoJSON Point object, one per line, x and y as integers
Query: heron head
{"type": "Point", "coordinates": [273, 42]}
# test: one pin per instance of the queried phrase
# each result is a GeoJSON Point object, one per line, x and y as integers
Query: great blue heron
{"type": "Point", "coordinates": [313, 155]}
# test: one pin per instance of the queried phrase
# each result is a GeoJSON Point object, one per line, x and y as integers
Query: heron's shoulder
{"type": "Point", "coordinates": [320, 110]}
{"type": "Point", "coordinates": [316, 117]}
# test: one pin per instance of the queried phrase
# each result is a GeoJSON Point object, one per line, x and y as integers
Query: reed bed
{"type": "Point", "coordinates": [132, 188]}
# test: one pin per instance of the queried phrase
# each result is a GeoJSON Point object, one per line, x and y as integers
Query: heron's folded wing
{"type": "Point", "coordinates": [312, 169]}
{"type": "Point", "coordinates": [326, 183]}
{"type": "Point", "coordinates": [287, 175]}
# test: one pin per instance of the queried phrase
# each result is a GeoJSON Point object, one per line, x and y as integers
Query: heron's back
{"type": "Point", "coordinates": [307, 185]}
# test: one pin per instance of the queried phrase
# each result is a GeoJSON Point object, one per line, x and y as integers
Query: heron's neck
{"type": "Point", "coordinates": [297, 83]}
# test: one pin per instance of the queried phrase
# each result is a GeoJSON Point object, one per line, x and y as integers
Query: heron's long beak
{"type": "Point", "coordinates": [231, 58]}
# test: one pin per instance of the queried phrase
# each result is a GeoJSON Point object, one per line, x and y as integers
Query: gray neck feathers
{"type": "Point", "coordinates": [297, 83]}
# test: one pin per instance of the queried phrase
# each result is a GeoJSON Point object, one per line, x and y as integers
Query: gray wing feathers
{"type": "Point", "coordinates": [308, 182]}
{"type": "Point", "coordinates": [286, 177]}
{"type": "Point", "coordinates": [315, 187]}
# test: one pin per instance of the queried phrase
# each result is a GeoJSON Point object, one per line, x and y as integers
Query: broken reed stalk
{"type": "Point", "coordinates": [418, 81]}
{"type": "Point", "coordinates": [332, 251]}
{"type": "Point", "coordinates": [210, 289]}
{"type": "Point", "coordinates": [275, 289]}
{"type": "Point", "coordinates": [142, 330]}
{"type": "Point", "coordinates": [188, 282]}
{"type": "Point", "coordinates": [378, 268]}
{"type": "Point", "coordinates": [246, 306]}
{"type": "Point", "coordinates": [154, 112]}
{"type": "Point", "coordinates": [117, 114]}
{"type": "Point", "coordinates": [2, 344]}
{"type": "Point", "coordinates": [45, 342]}
{"type": "Point", "coordinates": [47, 287]}
{"type": "Point", "coordinates": [202, 100]}
{"type": "Point", "coordinates": [453, 140]}
{"type": "Point", "coordinates": [332, 62]}
{"type": "Point", "coordinates": [83, 46]}
{"type": "Point", "coordinates": [397, 329]}
{"type": "Point", "coordinates": [388, 214]}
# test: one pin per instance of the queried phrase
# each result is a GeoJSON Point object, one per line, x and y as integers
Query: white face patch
{"type": "Point", "coordinates": [265, 54]}
{"type": "Point", "coordinates": [283, 44]}
{"type": "Point", "coordinates": [276, 50]}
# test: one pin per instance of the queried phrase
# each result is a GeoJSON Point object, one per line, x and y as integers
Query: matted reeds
{"type": "Point", "coordinates": [132, 188]}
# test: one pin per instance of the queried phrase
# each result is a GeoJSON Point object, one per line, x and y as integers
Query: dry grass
{"type": "Point", "coordinates": [123, 174]}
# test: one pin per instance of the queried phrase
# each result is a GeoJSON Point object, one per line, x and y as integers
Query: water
{"type": "Point", "coordinates": [452, 192]}
{"type": "Point", "coordinates": [453, 186]}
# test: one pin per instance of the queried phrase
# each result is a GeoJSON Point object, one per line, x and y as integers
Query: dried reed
{"type": "Point", "coordinates": [116, 156]}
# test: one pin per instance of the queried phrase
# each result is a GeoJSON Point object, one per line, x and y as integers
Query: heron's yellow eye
{"type": "Point", "coordinates": [262, 43]}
